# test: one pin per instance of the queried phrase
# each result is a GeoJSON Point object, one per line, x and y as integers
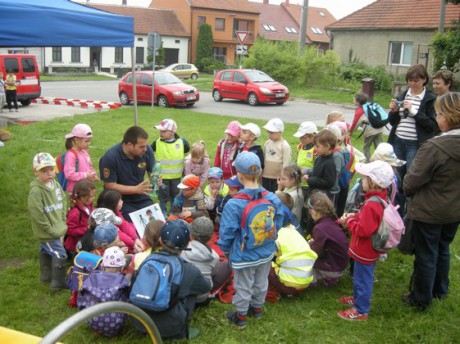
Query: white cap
{"type": "Point", "coordinates": [335, 130]}
{"type": "Point", "coordinates": [275, 125]}
{"type": "Point", "coordinates": [253, 128]}
{"type": "Point", "coordinates": [385, 152]}
{"type": "Point", "coordinates": [306, 128]}
{"type": "Point", "coordinates": [42, 160]}
{"type": "Point", "coordinates": [167, 124]}
{"type": "Point", "coordinates": [379, 171]}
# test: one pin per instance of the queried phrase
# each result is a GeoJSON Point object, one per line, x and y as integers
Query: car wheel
{"type": "Point", "coordinates": [124, 99]}
{"type": "Point", "coordinates": [194, 76]}
{"type": "Point", "coordinates": [252, 99]}
{"type": "Point", "coordinates": [25, 102]}
{"type": "Point", "coordinates": [280, 103]}
{"type": "Point", "coordinates": [162, 101]}
{"type": "Point", "coordinates": [217, 96]}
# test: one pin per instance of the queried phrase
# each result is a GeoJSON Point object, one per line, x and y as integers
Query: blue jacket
{"type": "Point", "coordinates": [231, 238]}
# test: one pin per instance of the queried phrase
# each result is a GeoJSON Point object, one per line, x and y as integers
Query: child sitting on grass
{"type": "Point", "coordinates": [234, 186]}
{"type": "Point", "coordinates": [215, 191]}
{"type": "Point", "coordinates": [106, 236]}
{"type": "Point", "coordinates": [189, 203]}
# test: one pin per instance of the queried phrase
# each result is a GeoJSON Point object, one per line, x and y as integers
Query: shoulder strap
{"type": "Point", "coordinates": [75, 154]}
{"type": "Point", "coordinates": [377, 199]}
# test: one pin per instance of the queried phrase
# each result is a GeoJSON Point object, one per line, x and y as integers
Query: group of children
{"type": "Point", "coordinates": [299, 243]}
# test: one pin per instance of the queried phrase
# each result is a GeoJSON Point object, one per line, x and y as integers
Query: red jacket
{"type": "Point", "coordinates": [362, 226]}
{"type": "Point", "coordinates": [77, 225]}
{"type": "Point", "coordinates": [127, 233]}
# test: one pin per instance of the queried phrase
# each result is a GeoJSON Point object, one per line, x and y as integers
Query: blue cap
{"type": "Point", "coordinates": [247, 163]}
{"type": "Point", "coordinates": [105, 234]}
{"type": "Point", "coordinates": [175, 234]}
{"type": "Point", "coordinates": [233, 182]}
{"type": "Point", "coordinates": [215, 172]}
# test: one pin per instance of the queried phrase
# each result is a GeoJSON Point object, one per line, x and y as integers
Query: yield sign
{"type": "Point", "coordinates": [242, 35]}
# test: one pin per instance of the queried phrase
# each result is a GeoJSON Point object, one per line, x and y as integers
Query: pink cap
{"type": "Point", "coordinates": [233, 128]}
{"type": "Point", "coordinates": [80, 130]}
{"type": "Point", "coordinates": [379, 171]}
{"type": "Point", "coordinates": [167, 124]}
{"type": "Point", "coordinates": [342, 125]}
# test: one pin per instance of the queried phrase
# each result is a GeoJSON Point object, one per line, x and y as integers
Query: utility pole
{"type": "Point", "coordinates": [442, 16]}
{"type": "Point", "coordinates": [303, 26]}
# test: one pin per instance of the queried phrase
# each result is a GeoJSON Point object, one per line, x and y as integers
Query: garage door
{"type": "Point", "coordinates": [171, 56]}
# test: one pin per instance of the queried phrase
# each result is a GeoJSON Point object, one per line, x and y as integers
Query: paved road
{"type": "Point", "coordinates": [292, 111]}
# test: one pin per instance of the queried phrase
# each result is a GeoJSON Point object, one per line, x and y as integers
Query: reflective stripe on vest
{"type": "Point", "coordinates": [171, 156]}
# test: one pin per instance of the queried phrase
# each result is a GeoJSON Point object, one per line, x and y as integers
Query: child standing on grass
{"type": "Point", "coordinates": [289, 182]}
{"type": "Point", "coordinates": [249, 134]}
{"type": "Point", "coordinates": [378, 177]}
{"type": "Point", "coordinates": [227, 150]}
{"type": "Point", "coordinates": [78, 216]}
{"type": "Point", "coordinates": [77, 160]}
{"type": "Point", "coordinates": [2, 92]}
{"type": "Point", "coordinates": [47, 205]}
{"type": "Point", "coordinates": [306, 150]}
{"type": "Point", "coordinates": [170, 150]}
{"type": "Point", "coordinates": [189, 203]}
{"type": "Point", "coordinates": [197, 162]}
{"type": "Point", "coordinates": [277, 155]}
{"type": "Point", "coordinates": [251, 265]}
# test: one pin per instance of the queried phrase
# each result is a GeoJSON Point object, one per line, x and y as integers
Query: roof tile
{"type": "Point", "coordinates": [225, 5]}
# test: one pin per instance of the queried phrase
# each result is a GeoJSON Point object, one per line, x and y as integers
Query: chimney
{"type": "Point", "coordinates": [266, 2]}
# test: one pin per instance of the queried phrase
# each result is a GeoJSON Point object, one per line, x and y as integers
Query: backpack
{"type": "Point", "coordinates": [60, 161]}
{"type": "Point", "coordinates": [83, 264]}
{"type": "Point", "coordinates": [376, 115]}
{"type": "Point", "coordinates": [258, 220]}
{"type": "Point", "coordinates": [155, 285]}
{"type": "Point", "coordinates": [345, 174]}
{"type": "Point", "coordinates": [391, 228]}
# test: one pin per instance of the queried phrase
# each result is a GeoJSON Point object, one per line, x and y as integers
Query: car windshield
{"type": "Point", "coordinates": [258, 76]}
{"type": "Point", "coordinates": [166, 79]}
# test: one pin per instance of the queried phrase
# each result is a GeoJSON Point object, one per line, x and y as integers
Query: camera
{"type": "Point", "coordinates": [399, 103]}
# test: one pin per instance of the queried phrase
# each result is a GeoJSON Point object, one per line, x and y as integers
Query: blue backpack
{"type": "Point", "coordinates": [83, 264]}
{"type": "Point", "coordinates": [258, 220]}
{"type": "Point", "coordinates": [60, 161]}
{"type": "Point", "coordinates": [155, 286]}
{"type": "Point", "coordinates": [376, 115]}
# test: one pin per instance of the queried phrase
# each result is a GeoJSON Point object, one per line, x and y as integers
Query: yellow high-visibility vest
{"type": "Point", "coordinates": [171, 156]}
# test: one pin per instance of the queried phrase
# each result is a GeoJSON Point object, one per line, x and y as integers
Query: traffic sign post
{"type": "Point", "coordinates": [242, 36]}
{"type": "Point", "coordinates": [241, 49]}
{"type": "Point", "coordinates": [153, 43]}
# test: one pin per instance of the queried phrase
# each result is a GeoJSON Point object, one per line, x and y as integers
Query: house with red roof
{"type": "Point", "coordinates": [392, 33]}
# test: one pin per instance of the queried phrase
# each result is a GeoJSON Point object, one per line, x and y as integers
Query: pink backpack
{"type": "Point", "coordinates": [391, 228]}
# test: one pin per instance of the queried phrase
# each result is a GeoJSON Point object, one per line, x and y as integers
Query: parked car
{"type": "Point", "coordinates": [168, 89]}
{"type": "Point", "coordinates": [251, 85]}
{"type": "Point", "coordinates": [183, 70]}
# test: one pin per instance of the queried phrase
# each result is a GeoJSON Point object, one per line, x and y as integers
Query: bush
{"type": "Point", "coordinates": [204, 45]}
{"type": "Point", "coordinates": [355, 71]}
{"type": "Point", "coordinates": [210, 64]}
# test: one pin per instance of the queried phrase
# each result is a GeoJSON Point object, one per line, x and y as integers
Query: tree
{"type": "Point", "coordinates": [204, 45]}
{"type": "Point", "coordinates": [446, 48]}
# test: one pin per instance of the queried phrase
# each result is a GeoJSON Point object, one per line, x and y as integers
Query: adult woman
{"type": "Point", "coordinates": [442, 82]}
{"type": "Point", "coordinates": [435, 204]}
{"type": "Point", "coordinates": [412, 116]}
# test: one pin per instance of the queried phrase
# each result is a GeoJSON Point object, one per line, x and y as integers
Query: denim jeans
{"type": "Point", "coordinates": [363, 283]}
{"type": "Point", "coordinates": [432, 261]}
{"type": "Point", "coordinates": [405, 150]}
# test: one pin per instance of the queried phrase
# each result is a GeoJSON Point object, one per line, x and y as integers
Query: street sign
{"type": "Point", "coordinates": [241, 49]}
{"type": "Point", "coordinates": [242, 35]}
{"type": "Point", "coordinates": [154, 40]}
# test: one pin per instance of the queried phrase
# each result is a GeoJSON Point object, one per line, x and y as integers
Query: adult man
{"type": "Point", "coordinates": [123, 168]}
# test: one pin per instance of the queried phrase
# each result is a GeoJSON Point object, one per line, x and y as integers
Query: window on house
{"type": "Point", "coordinates": [272, 27]}
{"type": "Point", "coordinates": [288, 29]}
{"type": "Point", "coordinates": [201, 20]}
{"type": "Point", "coordinates": [220, 24]}
{"type": "Point", "coordinates": [57, 54]}
{"type": "Point", "coordinates": [75, 54]}
{"type": "Point", "coordinates": [220, 54]}
{"type": "Point", "coordinates": [316, 30]}
{"type": "Point", "coordinates": [140, 39]}
{"type": "Point", "coordinates": [118, 55]}
{"type": "Point", "coordinates": [140, 55]}
{"type": "Point", "coordinates": [241, 25]}
{"type": "Point", "coordinates": [400, 53]}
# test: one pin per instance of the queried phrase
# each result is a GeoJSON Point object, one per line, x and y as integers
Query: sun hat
{"type": "Point", "coordinates": [233, 182]}
{"type": "Point", "coordinates": [175, 234]}
{"type": "Point", "coordinates": [253, 128]}
{"type": "Point", "coordinates": [245, 163]}
{"type": "Point", "coordinates": [80, 130]}
{"type": "Point", "coordinates": [189, 182]}
{"type": "Point", "coordinates": [105, 234]}
{"type": "Point", "coordinates": [42, 160]}
{"type": "Point", "coordinates": [233, 128]}
{"type": "Point", "coordinates": [104, 216]}
{"type": "Point", "coordinates": [275, 125]}
{"type": "Point", "coordinates": [215, 172]}
{"type": "Point", "coordinates": [343, 126]}
{"type": "Point", "coordinates": [202, 229]}
{"type": "Point", "coordinates": [379, 171]}
{"type": "Point", "coordinates": [167, 124]}
{"type": "Point", "coordinates": [385, 152]}
{"type": "Point", "coordinates": [113, 258]}
{"type": "Point", "coordinates": [306, 128]}
{"type": "Point", "coordinates": [335, 130]}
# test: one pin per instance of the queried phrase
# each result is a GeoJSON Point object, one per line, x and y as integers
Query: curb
{"type": "Point", "coordinates": [77, 103]}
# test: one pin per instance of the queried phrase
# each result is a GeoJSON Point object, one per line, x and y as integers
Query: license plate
{"type": "Point", "coordinates": [191, 97]}
{"type": "Point", "coordinates": [279, 95]}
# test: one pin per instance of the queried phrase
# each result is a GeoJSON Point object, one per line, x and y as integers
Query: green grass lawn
{"type": "Point", "coordinates": [26, 304]}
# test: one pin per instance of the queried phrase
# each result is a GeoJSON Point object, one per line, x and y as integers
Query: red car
{"type": "Point", "coordinates": [169, 90]}
{"type": "Point", "coordinates": [251, 85]}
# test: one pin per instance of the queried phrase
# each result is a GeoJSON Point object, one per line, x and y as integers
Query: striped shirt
{"type": "Point", "coordinates": [406, 129]}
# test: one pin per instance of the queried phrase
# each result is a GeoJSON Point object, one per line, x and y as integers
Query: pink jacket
{"type": "Point", "coordinates": [200, 170]}
{"type": "Point", "coordinates": [127, 233]}
{"type": "Point", "coordinates": [84, 167]}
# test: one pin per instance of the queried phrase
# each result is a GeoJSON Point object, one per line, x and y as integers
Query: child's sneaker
{"type": "Point", "coordinates": [352, 314]}
{"type": "Point", "coordinates": [255, 312]}
{"type": "Point", "coordinates": [237, 319]}
{"type": "Point", "coordinates": [347, 300]}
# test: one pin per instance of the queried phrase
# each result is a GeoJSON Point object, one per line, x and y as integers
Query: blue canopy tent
{"type": "Point", "coordinates": [62, 23]}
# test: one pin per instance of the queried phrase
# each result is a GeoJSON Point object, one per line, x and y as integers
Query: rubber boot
{"type": "Point", "coordinates": [45, 267]}
{"type": "Point", "coordinates": [58, 273]}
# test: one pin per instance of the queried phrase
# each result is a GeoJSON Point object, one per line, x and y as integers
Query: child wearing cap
{"type": "Point", "coordinates": [306, 149]}
{"type": "Point", "coordinates": [378, 176]}
{"type": "Point", "coordinates": [227, 149]}
{"type": "Point", "coordinates": [250, 265]}
{"type": "Point", "coordinates": [77, 163]}
{"type": "Point", "coordinates": [105, 285]}
{"type": "Point", "coordinates": [215, 191]}
{"type": "Point", "coordinates": [249, 134]}
{"type": "Point", "coordinates": [197, 162]}
{"type": "Point", "coordinates": [234, 186]}
{"type": "Point", "coordinates": [47, 205]}
{"type": "Point", "coordinates": [106, 236]}
{"type": "Point", "coordinates": [189, 203]}
{"type": "Point", "coordinates": [170, 150]}
{"type": "Point", "coordinates": [277, 154]}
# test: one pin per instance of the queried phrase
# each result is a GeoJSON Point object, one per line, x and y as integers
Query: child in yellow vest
{"type": "Point", "coordinates": [306, 149]}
